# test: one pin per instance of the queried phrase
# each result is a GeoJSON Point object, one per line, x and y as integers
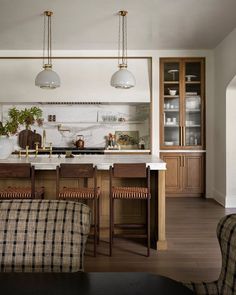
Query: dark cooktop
{"type": "Point", "coordinates": [76, 151]}
{"type": "Point", "coordinates": [68, 148]}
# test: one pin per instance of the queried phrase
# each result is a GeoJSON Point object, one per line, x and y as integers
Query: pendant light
{"type": "Point", "coordinates": [47, 79]}
{"type": "Point", "coordinates": [123, 78]}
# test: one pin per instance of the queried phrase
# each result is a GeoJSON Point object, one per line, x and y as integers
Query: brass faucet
{"type": "Point", "coordinates": [36, 149]}
{"type": "Point", "coordinates": [19, 154]}
{"type": "Point", "coordinates": [27, 151]}
{"type": "Point", "coordinates": [50, 148]}
{"type": "Point", "coordinates": [44, 139]}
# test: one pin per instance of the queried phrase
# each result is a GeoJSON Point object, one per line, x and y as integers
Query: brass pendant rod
{"type": "Point", "coordinates": [122, 39]}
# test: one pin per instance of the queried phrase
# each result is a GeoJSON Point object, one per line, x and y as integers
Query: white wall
{"type": "Point", "coordinates": [225, 70]}
{"type": "Point", "coordinates": [231, 144]}
{"type": "Point", "coordinates": [155, 55]}
{"type": "Point", "coordinates": [85, 79]}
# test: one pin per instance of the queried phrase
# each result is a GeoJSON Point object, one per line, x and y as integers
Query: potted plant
{"type": "Point", "coordinates": [25, 117]}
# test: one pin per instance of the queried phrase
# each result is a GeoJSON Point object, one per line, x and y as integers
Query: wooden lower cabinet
{"type": "Point", "coordinates": [185, 175]}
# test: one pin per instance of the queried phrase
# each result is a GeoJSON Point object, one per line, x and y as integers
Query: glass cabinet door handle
{"type": "Point", "coordinates": [181, 135]}
{"type": "Point", "coordinates": [184, 141]}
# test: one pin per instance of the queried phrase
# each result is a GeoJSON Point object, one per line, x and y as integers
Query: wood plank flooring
{"type": "Point", "coordinates": [193, 251]}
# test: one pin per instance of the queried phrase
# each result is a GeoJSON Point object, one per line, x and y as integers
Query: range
{"type": "Point", "coordinates": [76, 151]}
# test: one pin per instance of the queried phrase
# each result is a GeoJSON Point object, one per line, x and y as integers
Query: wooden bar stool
{"type": "Point", "coordinates": [130, 193]}
{"type": "Point", "coordinates": [19, 171]}
{"type": "Point", "coordinates": [84, 171]}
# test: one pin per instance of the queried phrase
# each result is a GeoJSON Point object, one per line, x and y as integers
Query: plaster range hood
{"type": "Point", "coordinates": [84, 80]}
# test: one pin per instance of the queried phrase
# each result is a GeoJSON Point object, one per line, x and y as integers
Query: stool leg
{"type": "Point", "coordinates": [111, 225]}
{"type": "Point", "coordinates": [95, 226]}
{"type": "Point", "coordinates": [98, 220]}
{"type": "Point", "coordinates": [148, 227]}
{"type": "Point", "coordinates": [113, 218]}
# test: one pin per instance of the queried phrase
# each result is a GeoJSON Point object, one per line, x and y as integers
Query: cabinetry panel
{"type": "Point", "coordinates": [185, 174]}
{"type": "Point", "coordinates": [193, 173]}
{"type": "Point", "coordinates": [173, 173]}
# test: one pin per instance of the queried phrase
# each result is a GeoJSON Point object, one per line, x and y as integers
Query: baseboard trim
{"type": "Point", "coordinates": [219, 197]}
{"type": "Point", "coordinates": [225, 200]}
{"type": "Point", "coordinates": [230, 201]}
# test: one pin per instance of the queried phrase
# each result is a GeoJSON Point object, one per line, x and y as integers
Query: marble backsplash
{"type": "Point", "coordinates": [93, 121]}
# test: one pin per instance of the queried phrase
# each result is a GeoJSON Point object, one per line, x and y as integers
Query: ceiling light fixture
{"type": "Point", "coordinates": [47, 79]}
{"type": "Point", "coordinates": [122, 78]}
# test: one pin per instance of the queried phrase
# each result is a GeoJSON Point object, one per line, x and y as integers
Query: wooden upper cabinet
{"type": "Point", "coordinates": [182, 103]}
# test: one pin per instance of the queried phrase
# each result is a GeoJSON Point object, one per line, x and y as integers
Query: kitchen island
{"type": "Point", "coordinates": [45, 167]}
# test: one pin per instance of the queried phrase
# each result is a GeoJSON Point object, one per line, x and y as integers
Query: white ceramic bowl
{"type": "Point", "coordinates": [172, 91]}
{"type": "Point", "coordinates": [169, 142]}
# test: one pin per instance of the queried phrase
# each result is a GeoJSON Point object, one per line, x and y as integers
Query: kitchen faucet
{"type": "Point", "coordinates": [44, 139]}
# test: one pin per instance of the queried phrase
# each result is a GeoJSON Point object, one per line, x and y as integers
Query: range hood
{"type": "Point", "coordinates": [82, 80]}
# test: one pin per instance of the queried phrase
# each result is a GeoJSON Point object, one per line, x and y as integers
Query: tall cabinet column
{"type": "Point", "coordinates": [182, 125]}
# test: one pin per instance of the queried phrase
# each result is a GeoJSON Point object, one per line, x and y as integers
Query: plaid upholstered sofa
{"type": "Point", "coordinates": [226, 283]}
{"type": "Point", "coordinates": [43, 235]}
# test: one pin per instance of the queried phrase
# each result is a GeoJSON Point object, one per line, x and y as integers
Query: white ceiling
{"type": "Point", "coordinates": [93, 24]}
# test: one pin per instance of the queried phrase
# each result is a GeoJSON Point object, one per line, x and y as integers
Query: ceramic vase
{"type": "Point", "coordinates": [6, 147]}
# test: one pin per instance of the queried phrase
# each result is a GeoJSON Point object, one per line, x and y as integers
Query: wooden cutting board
{"type": "Point", "coordinates": [28, 137]}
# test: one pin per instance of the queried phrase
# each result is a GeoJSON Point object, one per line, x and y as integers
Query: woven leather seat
{"type": "Point", "coordinates": [84, 172]}
{"type": "Point", "coordinates": [137, 171]}
{"type": "Point", "coordinates": [78, 193]}
{"type": "Point", "coordinates": [130, 193]}
{"type": "Point", "coordinates": [19, 171]}
{"type": "Point", "coordinates": [20, 193]}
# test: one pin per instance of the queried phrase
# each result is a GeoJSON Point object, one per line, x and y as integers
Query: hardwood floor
{"type": "Point", "coordinates": [193, 250]}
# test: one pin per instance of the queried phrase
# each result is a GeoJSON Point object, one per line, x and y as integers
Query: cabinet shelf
{"type": "Point", "coordinates": [171, 96]}
{"type": "Point", "coordinates": [170, 125]}
{"type": "Point", "coordinates": [171, 110]}
{"type": "Point", "coordinates": [171, 82]}
{"type": "Point", "coordinates": [91, 122]}
{"type": "Point", "coordinates": [120, 123]}
{"type": "Point", "coordinates": [193, 82]}
{"type": "Point", "coordinates": [193, 110]}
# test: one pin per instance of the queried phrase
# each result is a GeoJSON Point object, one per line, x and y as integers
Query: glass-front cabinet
{"type": "Point", "coordinates": [182, 97]}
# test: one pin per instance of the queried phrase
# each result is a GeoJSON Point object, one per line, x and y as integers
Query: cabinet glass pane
{"type": "Point", "coordinates": [192, 104]}
{"type": "Point", "coordinates": [171, 104]}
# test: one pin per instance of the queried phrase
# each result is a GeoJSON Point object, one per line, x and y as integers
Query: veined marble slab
{"type": "Point", "coordinates": [111, 151]}
{"type": "Point", "coordinates": [103, 162]}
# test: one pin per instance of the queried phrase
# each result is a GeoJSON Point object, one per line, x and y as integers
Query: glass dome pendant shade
{"type": "Point", "coordinates": [47, 78]}
{"type": "Point", "coordinates": [122, 79]}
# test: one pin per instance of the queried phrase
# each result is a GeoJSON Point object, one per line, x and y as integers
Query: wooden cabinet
{"type": "Point", "coordinates": [182, 124]}
{"type": "Point", "coordinates": [185, 174]}
{"type": "Point", "coordinates": [182, 103]}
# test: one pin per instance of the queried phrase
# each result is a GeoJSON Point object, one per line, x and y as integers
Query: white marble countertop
{"type": "Point", "coordinates": [103, 162]}
{"type": "Point", "coordinates": [111, 151]}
